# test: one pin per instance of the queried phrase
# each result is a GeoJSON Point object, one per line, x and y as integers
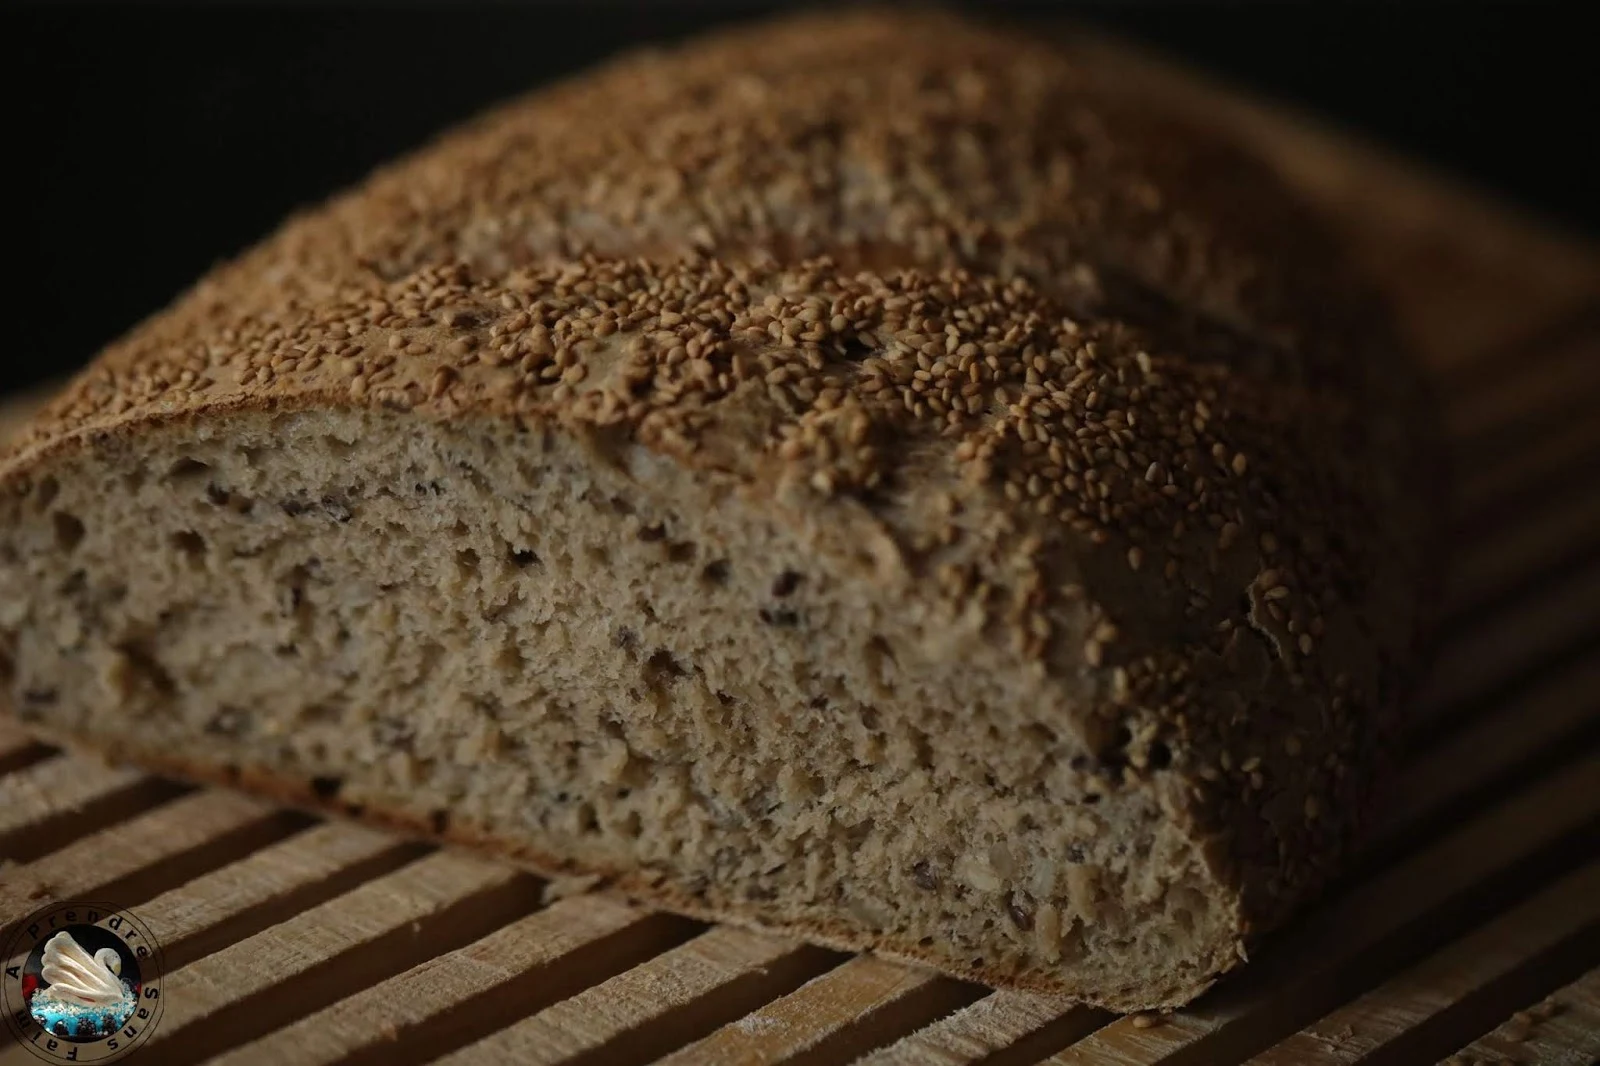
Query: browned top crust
{"type": "Point", "coordinates": [1093, 371]}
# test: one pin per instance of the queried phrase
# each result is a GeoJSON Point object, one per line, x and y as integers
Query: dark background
{"type": "Point", "coordinates": [146, 141]}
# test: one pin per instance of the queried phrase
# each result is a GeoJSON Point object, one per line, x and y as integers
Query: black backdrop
{"type": "Point", "coordinates": [146, 141]}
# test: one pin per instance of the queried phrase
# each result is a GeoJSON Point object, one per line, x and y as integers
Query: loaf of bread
{"type": "Point", "coordinates": [860, 477]}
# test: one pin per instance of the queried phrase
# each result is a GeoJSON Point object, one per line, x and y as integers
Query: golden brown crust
{"type": "Point", "coordinates": [1049, 340]}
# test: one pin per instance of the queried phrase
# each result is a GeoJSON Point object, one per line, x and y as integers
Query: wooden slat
{"type": "Point", "coordinates": [1001, 1029]}
{"type": "Point", "coordinates": [658, 1005]}
{"type": "Point", "coordinates": [1563, 1029]}
{"type": "Point", "coordinates": [837, 1017]}
{"type": "Point", "coordinates": [437, 1005]}
{"type": "Point", "coordinates": [166, 846]}
{"type": "Point", "coordinates": [268, 887]}
{"type": "Point", "coordinates": [49, 803]}
{"type": "Point", "coordinates": [1357, 938]}
{"type": "Point", "coordinates": [333, 950]}
{"type": "Point", "coordinates": [1397, 1021]}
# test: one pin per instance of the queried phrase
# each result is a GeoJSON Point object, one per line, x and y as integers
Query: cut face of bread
{"type": "Point", "coordinates": [575, 651]}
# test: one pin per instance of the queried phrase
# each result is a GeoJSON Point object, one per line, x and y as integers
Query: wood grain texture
{"type": "Point", "coordinates": [1021, 1024]}
{"type": "Point", "coordinates": [162, 844]}
{"type": "Point", "coordinates": [1567, 912]}
{"type": "Point", "coordinates": [333, 950]}
{"type": "Point", "coordinates": [49, 803]}
{"type": "Point", "coordinates": [536, 959]}
{"type": "Point", "coordinates": [271, 886]}
{"type": "Point", "coordinates": [656, 1006]}
{"type": "Point", "coordinates": [833, 1018]}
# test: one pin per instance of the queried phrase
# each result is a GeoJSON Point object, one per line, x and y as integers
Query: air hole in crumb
{"type": "Point", "coordinates": [925, 876]}
{"type": "Point", "coordinates": [186, 468]}
{"type": "Point", "coordinates": [715, 572]}
{"type": "Point", "coordinates": [625, 638]}
{"type": "Point", "coordinates": [524, 558]}
{"type": "Point", "coordinates": [190, 544]}
{"type": "Point", "coordinates": [1160, 756]}
{"type": "Point", "coordinates": [47, 491]}
{"type": "Point", "coordinates": [227, 722]}
{"type": "Point", "coordinates": [662, 669]}
{"type": "Point", "coordinates": [724, 699]}
{"type": "Point", "coordinates": [680, 552]}
{"type": "Point", "coordinates": [1021, 910]}
{"type": "Point", "coordinates": [69, 530]}
{"type": "Point", "coordinates": [651, 533]}
{"type": "Point", "coordinates": [598, 555]}
{"type": "Point", "coordinates": [786, 583]}
{"type": "Point", "coordinates": [467, 561]}
{"type": "Point", "coordinates": [783, 617]}
{"type": "Point", "coordinates": [326, 787]}
{"type": "Point", "coordinates": [439, 821]}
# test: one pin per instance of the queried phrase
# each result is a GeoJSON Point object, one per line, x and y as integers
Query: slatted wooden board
{"type": "Point", "coordinates": [1471, 928]}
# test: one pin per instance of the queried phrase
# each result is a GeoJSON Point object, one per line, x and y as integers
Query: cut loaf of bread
{"type": "Point", "coordinates": [856, 476]}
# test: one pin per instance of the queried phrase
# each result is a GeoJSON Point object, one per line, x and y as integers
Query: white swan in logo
{"type": "Point", "coordinates": [83, 995]}
{"type": "Point", "coordinates": [76, 977]}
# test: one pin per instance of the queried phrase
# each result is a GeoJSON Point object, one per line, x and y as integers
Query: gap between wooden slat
{"type": "Point", "coordinates": [51, 803]}
{"type": "Point", "coordinates": [1002, 1029]}
{"type": "Point", "coordinates": [1342, 947]}
{"type": "Point", "coordinates": [1560, 458]}
{"type": "Point", "coordinates": [271, 886]}
{"type": "Point", "coordinates": [1562, 1029]}
{"type": "Point", "coordinates": [1476, 412]}
{"type": "Point", "coordinates": [129, 863]}
{"type": "Point", "coordinates": [834, 1018]}
{"type": "Point", "coordinates": [254, 986]}
{"type": "Point", "coordinates": [446, 1001]}
{"type": "Point", "coordinates": [1438, 1003]}
{"type": "Point", "coordinates": [1482, 669]}
{"type": "Point", "coordinates": [1539, 549]}
{"type": "Point", "coordinates": [657, 1006]}
{"type": "Point", "coordinates": [1530, 734]}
